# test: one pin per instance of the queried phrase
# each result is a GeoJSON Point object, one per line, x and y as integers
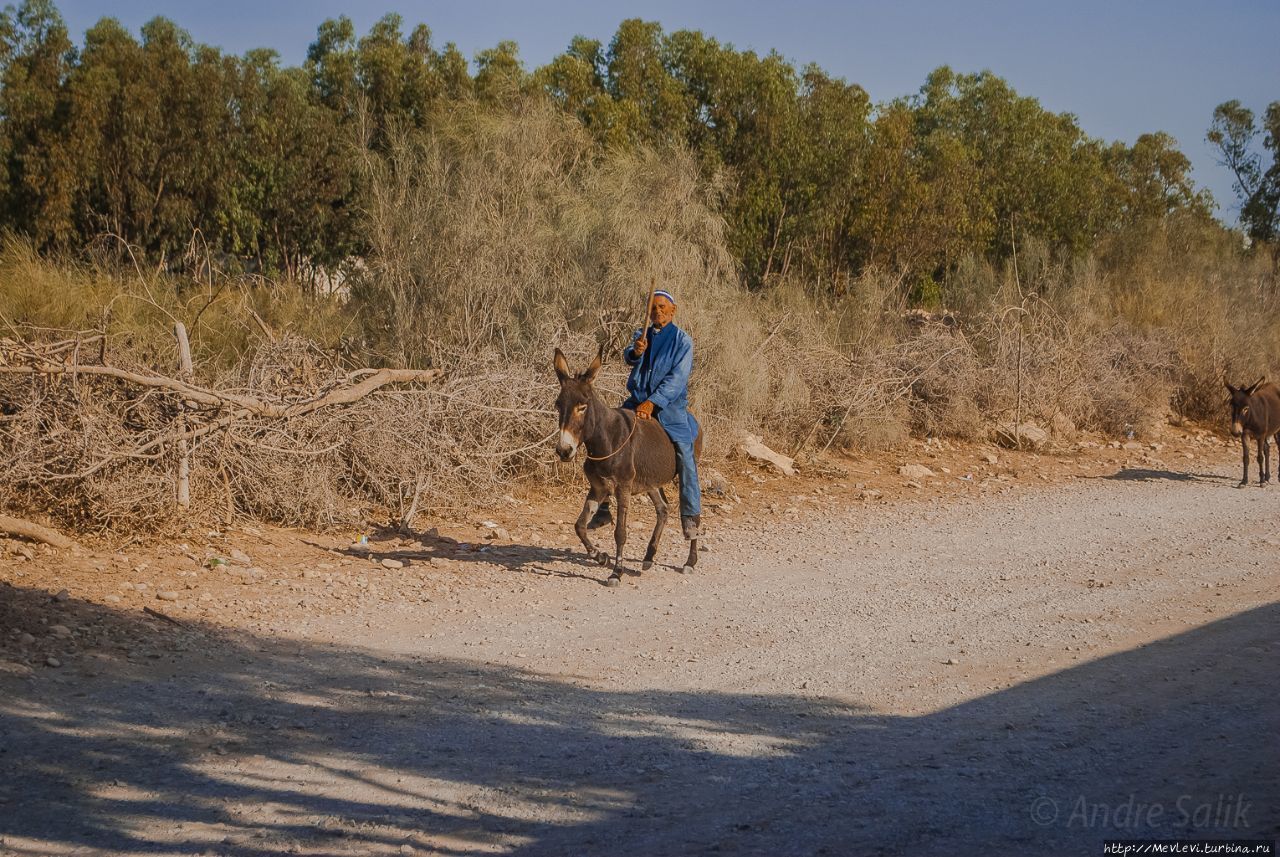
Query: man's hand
{"type": "Point", "coordinates": [644, 410]}
{"type": "Point", "coordinates": [640, 346]}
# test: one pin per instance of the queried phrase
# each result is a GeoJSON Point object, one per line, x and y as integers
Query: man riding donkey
{"type": "Point", "coordinates": [661, 359]}
{"type": "Point", "coordinates": [641, 446]}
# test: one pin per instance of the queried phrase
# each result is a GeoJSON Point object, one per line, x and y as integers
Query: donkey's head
{"type": "Point", "coordinates": [576, 393]}
{"type": "Point", "coordinates": [1240, 405]}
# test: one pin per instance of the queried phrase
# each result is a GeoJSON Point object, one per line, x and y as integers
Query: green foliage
{"type": "Point", "coordinates": [826, 185]}
{"type": "Point", "coordinates": [176, 154]}
{"type": "Point", "coordinates": [1257, 185]}
{"type": "Point", "coordinates": [181, 156]}
{"type": "Point", "coordinates": [37, 55]}
{"type": "Point", "coordinates": [576, 81]}
{"type": "Point", "coordinates": [500, 75]}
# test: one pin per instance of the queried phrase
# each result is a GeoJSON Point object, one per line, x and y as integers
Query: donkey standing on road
{"type": "Point", "coordinates": [1255, 412]}
{"type": "Point", "coordinates": [625, 456]}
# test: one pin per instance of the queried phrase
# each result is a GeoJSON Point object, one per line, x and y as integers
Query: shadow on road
{"type": "Point", "coordinates": [520, 558]}
{"type": "Point", "coordinates": [1140, 474]}
{"type": "Point", "coordinates": [243, 745]}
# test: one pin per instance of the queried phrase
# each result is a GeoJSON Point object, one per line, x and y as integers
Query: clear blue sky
{"type": "Point", "coordinates": [1123, 67]}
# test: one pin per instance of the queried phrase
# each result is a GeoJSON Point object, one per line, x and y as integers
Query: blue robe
{"type": "Point", "coordinates": [661, 376]}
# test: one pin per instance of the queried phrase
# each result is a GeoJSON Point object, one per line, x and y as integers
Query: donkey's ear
{"type": "Point", "coordinates": [592, 371]}
{"type": "Point", "coordinates": [1255, 387]}
{"type": "Point", "coordinates": [562, 365]}
{"type": "Point", "coordinates": [1227, 384]}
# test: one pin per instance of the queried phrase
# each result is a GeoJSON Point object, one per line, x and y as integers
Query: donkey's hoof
{"type": "Point", "coordinates": [612, 580]}
{"type": "Point", "coordinates": [601, 557]}
{"type": "Point", "coordinates": [686, 569]}
{"type": "Point", "coordinates": [646, 565]}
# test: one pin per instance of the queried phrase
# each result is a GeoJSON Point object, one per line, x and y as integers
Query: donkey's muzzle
{"type": "Point", "coordinates": [566, 446]}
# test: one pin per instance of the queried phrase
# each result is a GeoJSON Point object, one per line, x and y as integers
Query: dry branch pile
{"type": "Point", "coordinates": [98, 445]}
{"type": "Point", "coordinates": [290, 436]}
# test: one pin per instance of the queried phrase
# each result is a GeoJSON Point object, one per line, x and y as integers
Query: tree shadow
{"type": "Point", "coordinates": [246, 745]}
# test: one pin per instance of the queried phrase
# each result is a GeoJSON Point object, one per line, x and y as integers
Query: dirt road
{"type": "Point", "coordinates": [1098, 659]}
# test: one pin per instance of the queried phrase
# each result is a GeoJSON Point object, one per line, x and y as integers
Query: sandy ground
{"type": "Point", "coordinates": [1026, 656]}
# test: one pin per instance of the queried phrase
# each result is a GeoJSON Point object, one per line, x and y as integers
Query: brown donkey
{"type": "Point", "coordinates": [625, 456]}
{"type": "Point", "coordinates": [1255, 412]}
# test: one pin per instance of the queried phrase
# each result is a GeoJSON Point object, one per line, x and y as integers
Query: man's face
{"type": "Point", "coordinates": [662, 313]}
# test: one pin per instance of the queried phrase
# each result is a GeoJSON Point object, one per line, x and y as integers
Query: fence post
{"type": "Point", "coordinates": [184, 453]}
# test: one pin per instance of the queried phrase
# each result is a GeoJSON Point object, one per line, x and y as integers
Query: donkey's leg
{"type": "Point", "coordinates": [660, 512]}
{"type": "Point", "coordinates": [622, 499]}
{"type": "Point", "coordinates": [1275, 438]}
{"type": "Point", "coordinates": [1262, 471]}
{"type": "Point", "coordinates": [1266, 457]}
{"type": "Point", "coordinates": [692, 559]}
{"type": "Point", "coordinates": [1244, 458]}
{"type": "Point", "coordinates": [595, 495]}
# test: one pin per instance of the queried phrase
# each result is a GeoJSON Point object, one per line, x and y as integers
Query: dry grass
{"type": "Point", "coordinates": [503, 235]}
{"type": "Point", "coordinates": [500, 236]}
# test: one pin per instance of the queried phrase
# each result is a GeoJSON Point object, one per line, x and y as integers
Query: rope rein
{"type": "Point", "coordinates": [635, 418]}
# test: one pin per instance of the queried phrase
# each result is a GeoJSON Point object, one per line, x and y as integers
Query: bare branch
{"type": "Point", "coordinates": [27, 530]}
{"type": "Point", "coordinates": [373, 379]}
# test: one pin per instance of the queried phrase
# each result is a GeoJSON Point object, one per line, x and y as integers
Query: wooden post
{"type": "Point", "coordinates": [1022, 305]}
{"type": "Point", "coordinates": [648, 307]}
{"type": "Point", "coordinates": [185, 371]}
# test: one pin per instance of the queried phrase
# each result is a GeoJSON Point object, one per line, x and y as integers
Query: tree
{"type": "Point", "coordinates": [399, 77]}
{"type": "Point", "coordinates": [831, 170]}
{"type": "Point", "coordinates": [290, 202]}
{"type": "Point", "coordinates": [331, 63]}
{"type": "Point", "coordinates": [578, 81]}
{"type": "Point", "coordinates": [1155, 180]}
{"type": "Point", "coordinates": [39, 179]}
{"type": "Point", "coordinates": [154, 128]}
{"type": "Point", "coordinates": [1038, 172]}
{"type": "Point", "coordinates": [500, 75]}
{"type": "Point", "coordinates": [1257, 185]}
{"type": "Point", "coordinates": [745, 116]}
{"type": "Point", "coordinates": [451, 66]}
{"type": "Point", "coordinates": [654, 104]}
{"type": "Point", "coordinates": [919, 197]}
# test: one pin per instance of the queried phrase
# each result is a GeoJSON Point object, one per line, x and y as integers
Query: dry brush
{"type": "Point", "coordinates": [493, 239]}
